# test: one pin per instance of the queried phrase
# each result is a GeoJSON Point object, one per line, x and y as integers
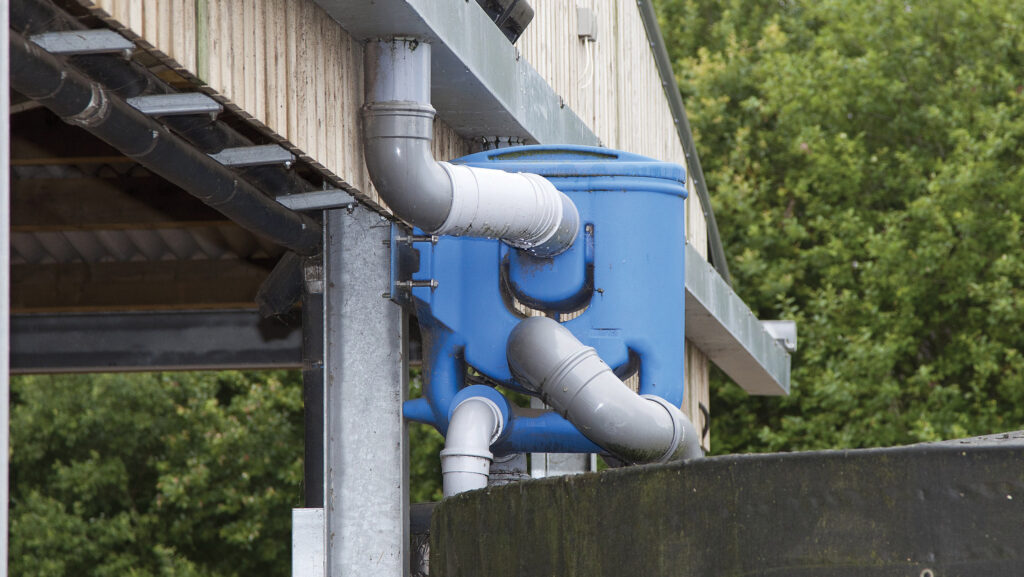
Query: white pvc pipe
{"type": "Point", "coordinates": [525, 210]}
{"type": "Point", "coordinates": [466, 457]}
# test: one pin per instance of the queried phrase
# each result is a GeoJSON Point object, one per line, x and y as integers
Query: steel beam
{"type": "Point", "coordinates": [488, 90]}
{"type": "Point", "coordinates": [366, 462]}
{"type": "Point", "coordinates": [151, 341]}
{"type": "Point", "coordinates": [723, 328]}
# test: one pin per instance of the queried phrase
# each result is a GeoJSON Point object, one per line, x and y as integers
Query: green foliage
{"type": "Point", "coordinates": [173, 474]}
{"type": "Point", "coordinates": [425, 445]}
{"type": "Point", "coordinates": [866, 162]}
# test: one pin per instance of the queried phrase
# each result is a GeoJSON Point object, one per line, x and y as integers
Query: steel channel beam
{"type": "Point", "coordinates": [366, 461]}
{"type": "Point", "coordinates": [152, 341]}
{"type": "Point", "coordinates": [723, 328]}
{"type": "Point", "coordinates": [484, 88]}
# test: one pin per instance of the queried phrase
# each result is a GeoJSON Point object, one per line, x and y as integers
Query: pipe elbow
{"type": "Point", "coordinates": [475, 423]}
{"type": "Point", "coordinates": [409, 180]}
{"type": "Point", "coordinates": [524, 210]}
{"type": "Point", "coordinates": [547, 358]}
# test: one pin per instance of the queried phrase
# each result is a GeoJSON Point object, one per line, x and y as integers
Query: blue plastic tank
{"type": "Point", "coordinates": [619, 289]}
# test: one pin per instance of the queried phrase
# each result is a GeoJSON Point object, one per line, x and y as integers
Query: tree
{"type": "Point", "coordinates": [865, 165]}
{"type": "Point", "coordinates": [172, 474]}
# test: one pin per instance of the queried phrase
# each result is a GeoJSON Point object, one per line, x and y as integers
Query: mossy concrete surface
{"type": "Point", "coordinates": [918, 511]}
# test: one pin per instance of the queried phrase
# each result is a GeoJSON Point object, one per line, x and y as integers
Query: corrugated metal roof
{"type": "Point", "coordinates": [213, 242]}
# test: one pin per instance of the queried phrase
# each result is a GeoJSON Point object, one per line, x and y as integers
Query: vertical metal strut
{"type": "Point", "coordinates": [366, 487]}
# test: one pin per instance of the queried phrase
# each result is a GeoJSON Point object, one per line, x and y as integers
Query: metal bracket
{"type": "Point", "coordinates": [254, 156]}
{"type": "Point", "coordinates": [72, 42]}
{"type": "Point", "coordinates": [180, 104]}
{"type": "Point", "coordinates": [411, 284]}
{"type": "Point", "coordinates": [317, 200]}
{"type": "Point", "coordinates": [412, 238]}
{"type": "Point", "coordinates": [782, 331]}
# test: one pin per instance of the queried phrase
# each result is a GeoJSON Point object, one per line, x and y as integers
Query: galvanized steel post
{"type": "Point", "coordinates": [366, 460]}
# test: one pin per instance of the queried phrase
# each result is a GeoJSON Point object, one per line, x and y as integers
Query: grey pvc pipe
{"type": "Point", "coordinates": [466, 457]}
{"type": "Point", "coordinates": [548, 359]}
{"type": "Point", "coordinates": [524, 210]}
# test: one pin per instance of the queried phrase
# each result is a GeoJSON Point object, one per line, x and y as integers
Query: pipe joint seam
{"type": "Point", "coordinates": [678, 432]}
{"type": "Point", "coordinates": [399, 119]}
{"type": "Point", "coordinates": [95, 112]}
{"type": "Point", "coordinates": [51, 94]}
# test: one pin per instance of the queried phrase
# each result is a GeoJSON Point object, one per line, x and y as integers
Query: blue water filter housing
{"type": "Point", "coordinates": [619, 288]}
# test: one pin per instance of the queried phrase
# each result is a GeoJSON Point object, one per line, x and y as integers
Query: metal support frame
{"type": "Point", "coordinates": [366, 374]}
{"type": "Point", "coordinates": [726, 330]}
{"type": "Point", "coordinates": [78, 42]}
{"type": "Point", "coordinates": [151, 341]}
{"type": "Point", "coordinates": [261, 155]}
{"type": "Point", "coordinates": [176, 104]}
{"type": "Point", "coordinates": [488, 89]}
{"type": "Point", "coordinates": [5, 281]}
{"type": "Point", "coordinates": [317, 200]}
{"type": "Point", "coordinates": [84, 102]}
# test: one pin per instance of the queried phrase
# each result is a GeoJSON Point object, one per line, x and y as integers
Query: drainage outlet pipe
{"type": "Point", "coordinates": [548, 359]}
{"type": "Point", "coordinates": [524, 210]}
{"type": "Point", "coordinates": [477, 420]}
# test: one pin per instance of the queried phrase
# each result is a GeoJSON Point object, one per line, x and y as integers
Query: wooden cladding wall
{"type": "Point", "coordinates": [287, 66]}
{"type": "Point", "coordinates": [284, 64]}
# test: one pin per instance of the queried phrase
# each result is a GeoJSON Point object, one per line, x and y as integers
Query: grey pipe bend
{"type": "Point", "coordinates": [466, 458]}
{"type": "Point", "coordinates": [548, 359]}
{"type": "Point", "coordinates": [524, 210]}
{"type": "Point", "coordinates": [402, 167]}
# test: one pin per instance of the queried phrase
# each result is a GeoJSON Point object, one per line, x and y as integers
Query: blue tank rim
{"type": "Point", "coordinates": [575, 161]}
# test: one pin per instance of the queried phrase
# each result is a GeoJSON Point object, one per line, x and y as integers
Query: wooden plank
{"type": "Point", "coordinates": [208, 53]}
{"type": "Point", "coordinates": [259, 61]}
{"type": "Point", "coordinates": [291, 54]}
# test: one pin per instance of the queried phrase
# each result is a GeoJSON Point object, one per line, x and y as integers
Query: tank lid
{"type": "Point", "coordinates": [576, 161]}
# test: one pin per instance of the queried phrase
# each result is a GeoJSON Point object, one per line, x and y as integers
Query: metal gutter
{"type": "Point", "coordinates": [675, 103]}
{"type": "Point", "coordinates": [724, 329]}
{"type": "Point", "coordinates": [486, 88]}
